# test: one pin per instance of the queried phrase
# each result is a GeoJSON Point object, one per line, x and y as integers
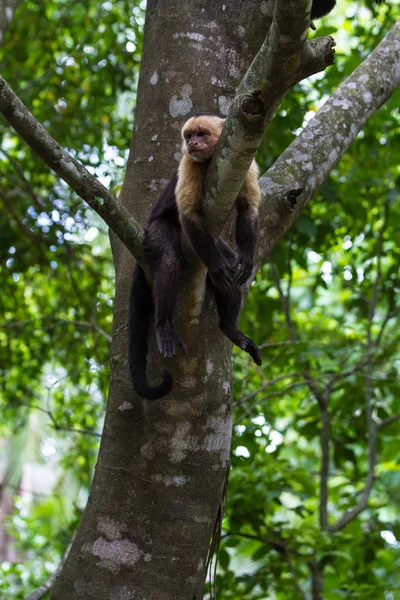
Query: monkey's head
{"type": "Point", "coordinates": [200, 135]}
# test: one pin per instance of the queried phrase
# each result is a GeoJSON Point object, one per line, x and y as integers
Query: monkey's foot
{"type": "Point", "coordinates": [245, 343]}
{"type": "Point", "coordinates": [251, 348]}
{"type": "Point", "coordinates": [168, 340]}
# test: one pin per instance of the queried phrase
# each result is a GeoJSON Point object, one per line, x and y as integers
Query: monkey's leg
{"type": "Point", "coordinates": [163, 255]}
{"type": "Point", "coordinates": [219, 271]}
{"type": "Point", "coordinates": [228, 304]}
{"type": "Point", "coordinates": [165, 289]}
{"type": "Point", "coordinates": [246, 238]}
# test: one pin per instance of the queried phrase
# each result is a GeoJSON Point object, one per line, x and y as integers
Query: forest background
{"type": "Point", "coordinates": [327, 302]}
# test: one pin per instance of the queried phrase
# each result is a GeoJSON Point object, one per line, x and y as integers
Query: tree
{"type": "Point", "coordinates": [7, 9]}
{"type": "Point", "coordinates": [169, 448]}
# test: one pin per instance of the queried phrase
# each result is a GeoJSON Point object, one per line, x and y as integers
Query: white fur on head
{"type": "Point", "coordinates": [210, 123]}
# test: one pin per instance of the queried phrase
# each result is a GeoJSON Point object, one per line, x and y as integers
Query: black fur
{"type": "Point", "coordinates": [163, 253]}
{"type": "Point", "coordinates": [320, 8]}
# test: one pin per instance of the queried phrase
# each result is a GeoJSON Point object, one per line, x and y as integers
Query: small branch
{"type": "Point", "coordinates": [317, 581]}
{"type": "Point", "coordinates": [277, 544]}
{"type": "Point", "coordinates": [294, 574]}
{"type": "Point", "coordinates": [266, 385]}
{"type": "Point", "coordinates": [281, 547]}
{"type": "Point", "coordinates": [387, 422]}
{"type": "Point", "coordinates": [56, 426]}
{"type": "Point", "coordinates": [48, 584]}
{"type": "Point", "coordinates": [352, 514]}
{"type": "Point", "coordinates": [56, 322]}
{"type": "Point", "coordinates": [285, 301]}
{"type": "Point", "coordinates": [324, 469]}
{"type": "Point", "coordinates": [377, 283]}
{"type": "Point", "coordinates": [293, 179]}
{"type": "Point", "coordinates": [277, 393]}
{"type": "Point", "coordinates": [71, 171]}
{"type": "Point", "coordinates": [391, 314]}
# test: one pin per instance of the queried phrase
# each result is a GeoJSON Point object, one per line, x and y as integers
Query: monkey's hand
{"type": "Point", "coordinates": [221, 274]}
{"type": "Point", "coordinates": [244, 267]}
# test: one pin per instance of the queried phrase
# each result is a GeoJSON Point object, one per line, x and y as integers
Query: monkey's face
{"type": "Point", "coordinates": [199, 144]}
{"type": "Point", "coordinates": [200, 135]}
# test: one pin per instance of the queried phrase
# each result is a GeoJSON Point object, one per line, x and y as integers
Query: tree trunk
{"type": "Point", "coordinates": [7, 10]}
{"type": "Point", "coordinates": [162, 465]}
{"type": "Point", "coordinates": [317, 581]}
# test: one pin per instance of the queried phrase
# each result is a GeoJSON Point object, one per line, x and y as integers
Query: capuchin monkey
{"type": "Point", "coordinates": [320, 8]}
{"type": "Point", "coordinates": [180, 206]}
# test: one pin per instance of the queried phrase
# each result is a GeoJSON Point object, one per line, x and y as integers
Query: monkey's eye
{"type": "Point", "coordinates": [187, 136]}
{"type": "Point", "coordinates": [200, 134]}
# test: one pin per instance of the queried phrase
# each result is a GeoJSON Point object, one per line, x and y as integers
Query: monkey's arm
{"type": "Point", "coordinates": [189, 200]}
{"type": "Point", "coordinates": [247, 206]}
{"type": "Point", "coordinates": [219, 270]}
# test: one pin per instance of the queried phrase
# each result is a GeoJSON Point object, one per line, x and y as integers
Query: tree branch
{"type": "Point", "coordinates": [324, 468]}
{"type": "Point", "coordinates": [87, 186]}
{"type": "Point", "coordinates": [48, 584]}
{"type": "Point", "coordinates": [387, 422]}
{"type": "Point", "coordinates": [55, 322]}
{"type": "Point", "coordinates": [55, 424]}
{"type": "Point", "coordinates": [377, 284]}
{"type": "Point", "coordinates": [352, 514]}
{"type": "Point", "coordinates": [317, 580]}
{"type": "Point", "coordinates": [294, 574]}
{"type": "Point", "coordinates": [293, 179]}
{"type": "Point", "coordinates": [279, 546]}
{"type": "Point", "coordinates": [283, 59]}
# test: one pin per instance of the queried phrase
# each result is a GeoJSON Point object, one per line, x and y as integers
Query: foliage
{"type": "Point", "coordinates": [325, 312]}
{"type": "Point", "coordinates": [76, 66]}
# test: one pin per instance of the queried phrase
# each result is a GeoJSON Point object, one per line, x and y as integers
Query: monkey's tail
{"type": "Point", "coordinates": [140, 311]}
